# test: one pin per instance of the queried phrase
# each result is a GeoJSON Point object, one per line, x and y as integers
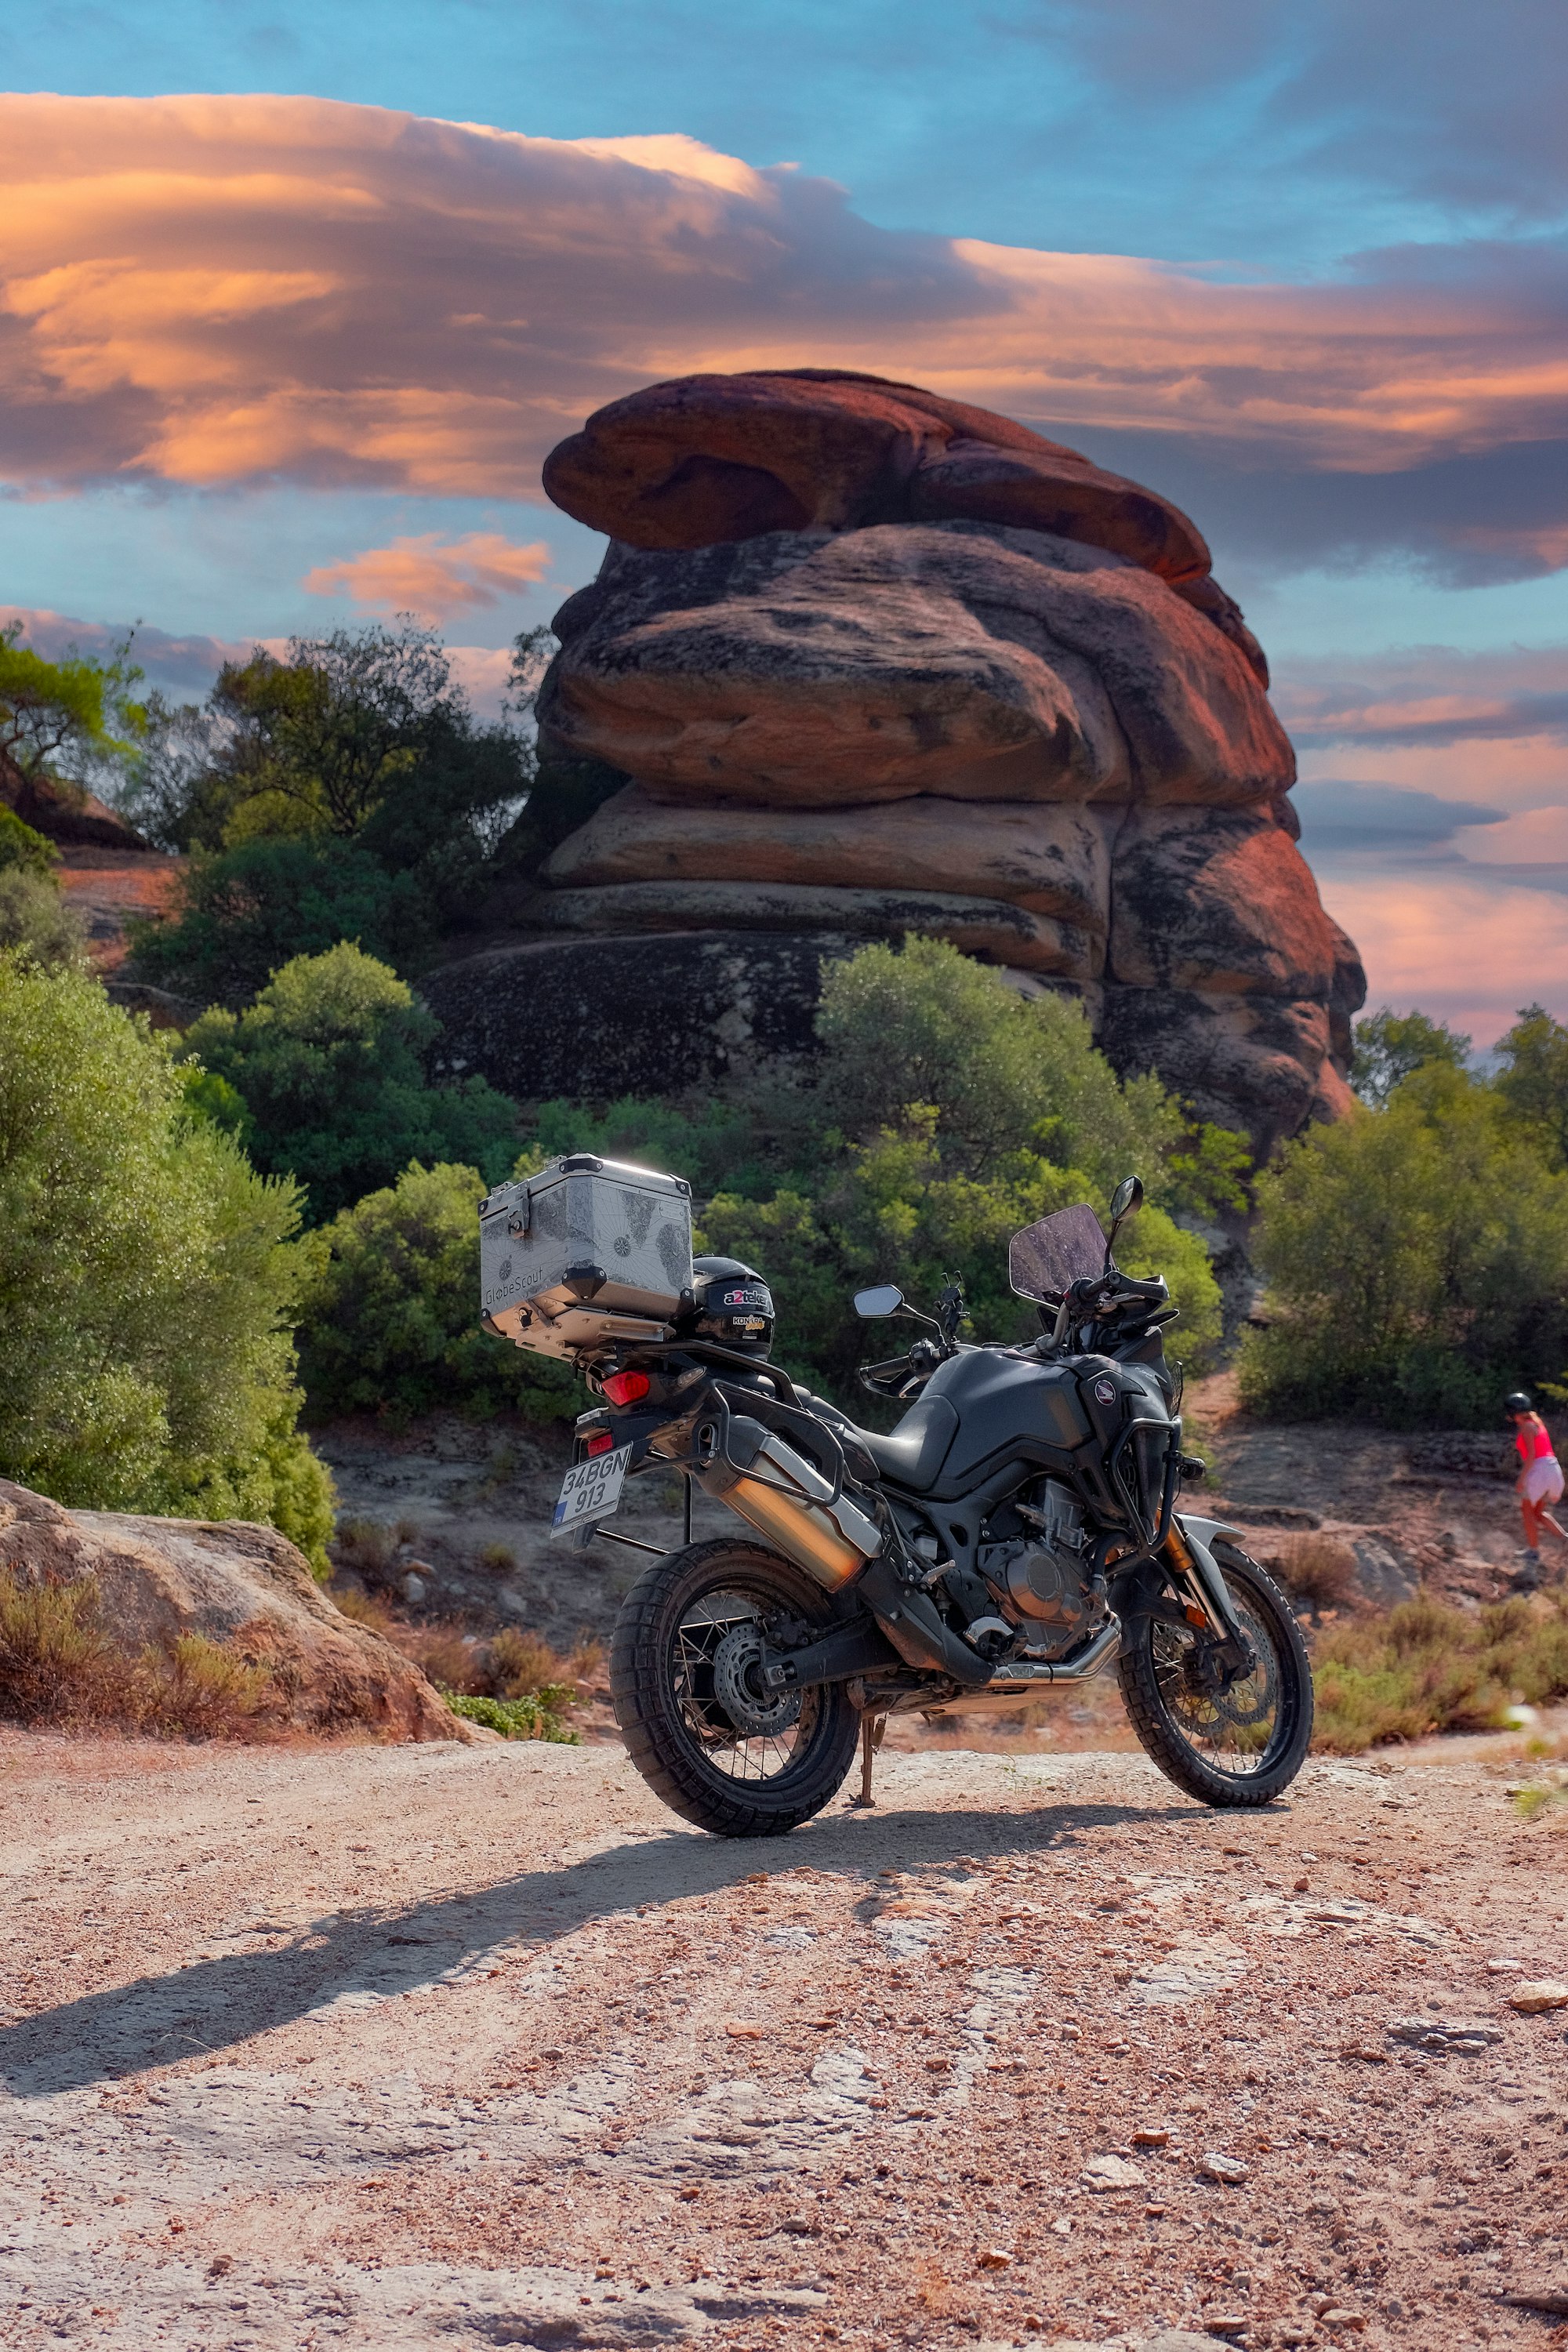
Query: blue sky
{"type": "Point", "coordinates": [1382, 471]}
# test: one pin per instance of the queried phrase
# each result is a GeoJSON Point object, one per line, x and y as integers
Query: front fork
{"type": "Point", "coordinates": [1208, 1607]}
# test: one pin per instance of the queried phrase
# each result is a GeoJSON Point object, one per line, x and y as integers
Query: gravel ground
{"type": "Point", "coordinates": [390, 2047]}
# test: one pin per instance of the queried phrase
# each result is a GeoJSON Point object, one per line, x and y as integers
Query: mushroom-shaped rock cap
{"type": "Point", "coordinates": [706, 458]}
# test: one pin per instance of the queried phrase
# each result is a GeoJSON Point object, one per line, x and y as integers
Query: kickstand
{"type": "Point", "coordinates": [872, 1726]}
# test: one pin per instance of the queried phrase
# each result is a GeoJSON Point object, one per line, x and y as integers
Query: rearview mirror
{"type": "Point", "coordinates": [886, 1299]}
{"type": "Point", "coordinates": [1125, 1201]}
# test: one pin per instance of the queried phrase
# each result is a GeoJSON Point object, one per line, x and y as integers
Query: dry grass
{"type": "Point", "coordinates": [60, 1667]}
{"type": "Point", "coordinates": [1318, 1570]}
{"type": "Point", "coordinates": [1425, 1667]}
{"type": "Point", "coordinates": [512, 1680]}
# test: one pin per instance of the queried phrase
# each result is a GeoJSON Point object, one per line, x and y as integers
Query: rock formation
{"type": "Point", "coordinates": [243, 1587]}
{"type": "Point", "coordinates": [862, 661]}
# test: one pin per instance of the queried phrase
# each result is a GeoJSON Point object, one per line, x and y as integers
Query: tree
{"type": "Point", "coordinates": [238, 917]}
{"type": "Point", "coordinates": [345, 793]}
{"type": "Point", "coordinates": [148, 1280]}
{"type": "Point", "coordinates": [1534, 1080]}
{"type": "Point", "coordinates": [329, 1063]}
{"type": "Point", "coordinates": [1390, 1045]}
{"type": "Point", "coordinates": [35, 921]}
{"type": "Point", "coordinates": [391, 1319]}
{"type": "Point", "coordinates": [57, 718]}
{"type": "Point", "coordinates": [1417, 1262]}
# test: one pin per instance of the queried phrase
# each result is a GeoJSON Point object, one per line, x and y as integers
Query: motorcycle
{"type": "Point", "coordinates": [1016, 1530]}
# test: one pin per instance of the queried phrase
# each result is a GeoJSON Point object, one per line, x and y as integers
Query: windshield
{"type": "Point", "coordinates": [1053, 1252]}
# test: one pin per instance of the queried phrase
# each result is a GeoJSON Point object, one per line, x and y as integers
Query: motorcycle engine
{"type": "Point", "coordinates": [1040, 1578]}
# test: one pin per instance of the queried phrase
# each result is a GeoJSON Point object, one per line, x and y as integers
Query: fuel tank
{"type": "Point", "coordinates": [1008, 1403]}
{"type": "Point", "coordinates": [1000, 1400]}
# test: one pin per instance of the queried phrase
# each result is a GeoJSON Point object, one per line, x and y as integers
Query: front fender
{"type": "Point", "coordinates": [1199, 1535]}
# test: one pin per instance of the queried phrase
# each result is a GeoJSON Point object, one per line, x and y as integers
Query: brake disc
{"type": "Point", "coordinates": [738, 1686]}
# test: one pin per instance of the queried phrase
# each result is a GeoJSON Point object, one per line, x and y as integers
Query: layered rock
{"type": "Point", "coordinates": [877, 661]}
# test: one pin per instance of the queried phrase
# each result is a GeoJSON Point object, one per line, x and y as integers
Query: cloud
{"type": "Point", "coordinates": [1465, 945]}
{"type": "Point", "coordinates": [429, 575]}
{"type": "Point", "coordinates": [1339, 814]}
{"type": "Point", "coordinates": [212, 290]}
{"type": "Point", "coordinates": [1429, 698]}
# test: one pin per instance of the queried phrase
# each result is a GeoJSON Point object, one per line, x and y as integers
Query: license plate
{"type": "Point", "coordinates": [591, 1490]}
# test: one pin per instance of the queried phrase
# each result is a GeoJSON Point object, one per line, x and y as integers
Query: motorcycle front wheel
{"type": "Point", "coordinates": [1236, 1747]}
{"type": "Point", "coordinates": [705, 1736]}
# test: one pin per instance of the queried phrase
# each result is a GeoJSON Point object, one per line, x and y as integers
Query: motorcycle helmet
{"type": "Point", "coordinates": [733, 1305]}
{"type": "Point", "coordinates": [1517, 1402]}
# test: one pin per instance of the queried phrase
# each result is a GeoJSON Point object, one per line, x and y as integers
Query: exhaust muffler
{"type": "Point", "coordinates": [786, 1499]}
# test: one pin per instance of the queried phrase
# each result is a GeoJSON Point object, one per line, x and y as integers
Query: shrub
{"type": "Point", "coordinates": [891, 1212]}
{"type": "Point", "coordinates": [240, 915]}
{"type": "Point", "coordinates": [1418, 1262]}
{"type": "Point", "coordinates": [23, 849]}
{"type": "Point", "coordinates": [1426, 1667]}
{"type": "Point", "coordinates": [329, 1065]}
{"type": "Point", "coordinates": [1317, 1570]}
{"type": "Point", "coordinates": [533, 1717]}
{"type": "Point", "coordinates": [147, 1283]}
{"type": "Point", "coordinates": [945, 1111]}
{"type": "Point", "coordinates": [391, 1321]}
{"type": "Point", "coordinates": [36, 921]}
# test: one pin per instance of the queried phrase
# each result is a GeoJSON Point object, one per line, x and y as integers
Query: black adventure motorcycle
{"type": "Point", "coordinates": [1016, 1530]}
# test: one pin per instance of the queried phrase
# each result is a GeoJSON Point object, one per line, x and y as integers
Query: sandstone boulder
{"type": "Point", "coordinates": [1249, 1062]}
{"type": "Point", "coordinates": [810, 669]}
{"type": "Point", "coordinates": [243, 1587]}
{"type": "Point", "coordinates": [709, 457]}
{"type": "Point", "coordinates": [1219, 900]}
{"type": "Point", "coordinates": [1053, 860]}
{"type": "Point", "coordinates": [988, 928]}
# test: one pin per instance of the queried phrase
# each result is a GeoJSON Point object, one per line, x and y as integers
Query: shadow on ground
{"type": "Point", "coordinates": [210, 2005]}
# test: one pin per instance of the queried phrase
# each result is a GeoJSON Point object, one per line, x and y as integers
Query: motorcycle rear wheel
{"type": "Point", "coordinates": [681, 1642]}
{"type": "Point", "coordinates": [1239, 1746]}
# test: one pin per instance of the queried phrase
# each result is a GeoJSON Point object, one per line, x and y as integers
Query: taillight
{"type": "Point", "coordinates": [626, 1388]}
{"type": "Point", "coordinates": [600, 1441]}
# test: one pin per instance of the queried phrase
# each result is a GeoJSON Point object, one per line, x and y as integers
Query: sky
{"type": "Point", "coordinates": [294, 300]}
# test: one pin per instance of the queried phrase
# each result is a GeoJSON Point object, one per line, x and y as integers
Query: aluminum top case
{"type": "Point", "coordinates": [587, 1252]}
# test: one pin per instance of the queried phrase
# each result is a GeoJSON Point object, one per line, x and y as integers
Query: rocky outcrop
{"type": "Point", "coordinates": [245, 1588]}
{"type": "Point", "coordinates": [864, 661]}
{"type": "Point", "coordinates": [64, 813]}
{"type": "Point", "coordinates": [713, 457]}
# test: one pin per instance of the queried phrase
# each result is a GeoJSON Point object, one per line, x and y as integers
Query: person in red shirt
{"type": "Point", "coordinates": [1539, 1484]}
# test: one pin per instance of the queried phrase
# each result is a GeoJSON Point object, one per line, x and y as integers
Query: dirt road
{"type": "Point", "coordinates": [430, 2046]}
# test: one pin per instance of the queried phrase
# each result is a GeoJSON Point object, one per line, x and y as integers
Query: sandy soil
{"type": "Point", "coordinates": [376, 2047]}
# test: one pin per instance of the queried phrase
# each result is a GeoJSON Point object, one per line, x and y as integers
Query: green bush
{"type": "Point", "coordinates": [1389, 1046]}
{"type": "Point", "coordinates": [530, 1717]}
{"type": "Point", "coordinates": [944, 1111]}
{"type": "Point", "coordinates": [147, 1283]}
{"type": "Point", "coordinates": [37, 922]}
{"type": "Point", "coordinates": [391, 1318]}
{"type": "Point", "coordinates": [20, 847]}
{"type": "Point", "coordinates": [891, 1212]}
{"type": "Point", "coordinates": [329, 1063]}
{"type": "Point", "coordinates": [238, 916]}
{"type": "Point", "coordinates": [1417, 1262]}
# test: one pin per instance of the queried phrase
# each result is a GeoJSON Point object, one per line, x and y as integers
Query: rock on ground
{"type": "Point", "coordinates": [399, 2046]}
{"type": "Point", "coordinates": [245, 1588]}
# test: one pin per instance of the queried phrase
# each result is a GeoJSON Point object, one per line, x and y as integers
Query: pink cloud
{"type": "Point", "coordinates": [216, 290]}
{"type": "Point", "coordinates": [1464, 949]}
{"type": "Point", "coordinates": [431, 575]}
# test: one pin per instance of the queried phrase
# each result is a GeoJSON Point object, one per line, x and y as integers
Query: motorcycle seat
{"type": "Point", "coordinates": [913, 1454]}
